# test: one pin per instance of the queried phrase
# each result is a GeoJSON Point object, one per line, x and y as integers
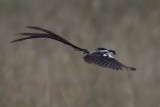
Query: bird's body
{"type": "Point", "coordinates": [99, 56]}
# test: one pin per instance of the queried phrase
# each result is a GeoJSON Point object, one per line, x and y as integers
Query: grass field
{"type": "Point", "coordinates": [46, 73]}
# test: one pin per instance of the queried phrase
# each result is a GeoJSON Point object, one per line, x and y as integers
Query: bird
{"type": "Point", "coordinates": [99, 56]}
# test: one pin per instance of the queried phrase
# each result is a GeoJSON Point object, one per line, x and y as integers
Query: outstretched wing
{"type": "Point", "coordinates": [46, 34]}
{"type": "Point", "coordinates": [105, 61]}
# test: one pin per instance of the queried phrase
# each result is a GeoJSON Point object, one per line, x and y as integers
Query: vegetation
{"type": "Point", "coordinates": [46, 73]}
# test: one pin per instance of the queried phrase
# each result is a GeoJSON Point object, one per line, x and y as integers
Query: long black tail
{"type": "Point", "coordinates": [46, 34]}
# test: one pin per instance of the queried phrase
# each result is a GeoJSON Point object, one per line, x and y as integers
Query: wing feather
{"type": "Point", "coordinates": [109, 64]}
{"type": "Point", "coordinates": [104, 61]}
{"type": "Point", "coordinates": [106, 64]}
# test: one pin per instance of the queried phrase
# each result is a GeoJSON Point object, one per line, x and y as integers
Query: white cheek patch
{"type": "Point", "coordinates": [110, 56]}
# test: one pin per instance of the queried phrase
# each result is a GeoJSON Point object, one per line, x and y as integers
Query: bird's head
{"type": "Point", "coordinates": [112, 52]}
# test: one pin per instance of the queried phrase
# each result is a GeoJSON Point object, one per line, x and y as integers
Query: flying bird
{"type": "Point", "coordinates": [100, 56]}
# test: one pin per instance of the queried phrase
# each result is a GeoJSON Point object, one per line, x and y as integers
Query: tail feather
{"type": "Point", "coordinates": [47, 34]}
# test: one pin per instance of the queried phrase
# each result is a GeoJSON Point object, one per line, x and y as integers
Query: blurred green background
{"type": "Point", "coordinates": [46, 73]}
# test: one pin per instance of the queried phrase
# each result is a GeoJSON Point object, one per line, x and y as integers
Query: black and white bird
{"type": "Point", "coordinates": [100, 56]}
